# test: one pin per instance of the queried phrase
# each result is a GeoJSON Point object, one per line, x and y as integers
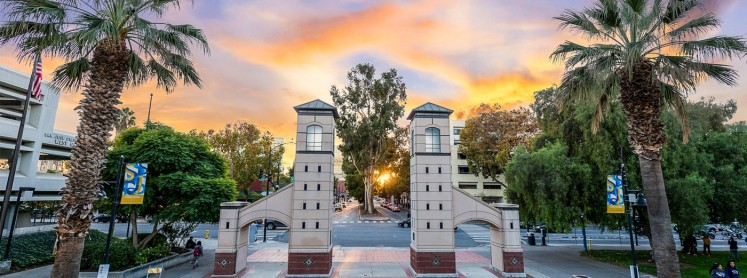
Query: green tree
{"type": "Point", "coordinates": [489, 138]}
{"type": "Point", "coordinates": [369, 109]}
{"type": "Point", "coordinates": [125, 120]}
{"type": "Point", "coordinates": [185, 178]}
{"type": "Point", "coordinates": [646, 55]}
{"type": "Point", "coordinates": [107, 44]}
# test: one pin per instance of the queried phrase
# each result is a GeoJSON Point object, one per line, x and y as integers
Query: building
{"type": "Point", "coordinates": [489, 190]}
{"type": "Point", "coordinates": [45, 152]}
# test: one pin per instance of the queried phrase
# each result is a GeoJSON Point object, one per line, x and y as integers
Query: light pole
{"type": "Point", "coordinates": [269, 180]}
{"type": "Point", "coordinates": [115, 201]}
{"type": "Point", "coordinates": [149, 104]}
{"type": "Point", "coordinates": [15, 217]}
{"type": "Point", "coordinates": [583, 232]}
{"type": "Point", "coordinates": [635, 200]}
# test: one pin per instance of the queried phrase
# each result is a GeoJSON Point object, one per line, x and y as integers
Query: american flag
{"type": "Point", "coordinates": [37, 76]}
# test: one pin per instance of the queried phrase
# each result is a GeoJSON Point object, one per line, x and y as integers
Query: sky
{"type": "Point", "coordinates": [268, 56]}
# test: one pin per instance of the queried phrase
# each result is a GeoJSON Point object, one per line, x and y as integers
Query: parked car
{"type": "Point", "coordinates": [338, 207]}
{"type": "Point", "coordinates": [274, 224]}
{"type": "Point", "coordinates": [106, 218]}
{"type": "Point", "coordinates": [395, 208]}
{"type": "Point", "coordinates": [404, 223]}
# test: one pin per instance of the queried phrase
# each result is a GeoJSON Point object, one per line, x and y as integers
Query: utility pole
{"type": "Point", "coordinates": [149, 105]}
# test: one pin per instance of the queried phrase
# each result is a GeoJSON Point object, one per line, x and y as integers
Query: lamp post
{"type": "Point", "coordinates": [583, 232]}
{"type": "Point", "coordinates": [149, 104]}
{"type": "Point", "coordinates": [115, 201]}
{"type": "Point", "coordinates": [269, 180]}
{"type": "Point", "coordinates": [635, 200]}
{"type": "Point", "coordinates": [15, 217]}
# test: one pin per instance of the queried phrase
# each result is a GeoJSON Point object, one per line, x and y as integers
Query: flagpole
{"type": "Point", "coordinates": [14, 160]}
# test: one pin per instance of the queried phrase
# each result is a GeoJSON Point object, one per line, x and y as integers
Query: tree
{"type": "Point", "coordinates": [646, 55]}
{"type": "Point", "coordinates": [245, 148]}
{"type": "Point", "coordinates": [489, 138]}
{"type": "Point", "coordinates": [125, 120]}
{"type": "Point", "coordinates": [107, 44]}
{"type": "Point", "coordinates": [185, 178]}
{"type": "Point", "coordinates": [369, 109]}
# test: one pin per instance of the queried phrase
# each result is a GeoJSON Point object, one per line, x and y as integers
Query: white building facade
{"type": "Point", "coordinates": [487, 189]}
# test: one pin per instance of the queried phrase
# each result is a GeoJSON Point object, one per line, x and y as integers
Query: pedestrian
{"type": "Point", "coordinates": [717, 271]}
{"type": "Point", "coordinates": [707, 245]}
{"type": "Point", "coordinates": [693, 245]}
{"type": "Point", "coordinates": [190, 243]}
{"type": "Point", "coordinates": [734, 249]}
{"type": "Point", "coordinates": [197, 253]}
{"type": "Point", "coordinates": [731, 270]}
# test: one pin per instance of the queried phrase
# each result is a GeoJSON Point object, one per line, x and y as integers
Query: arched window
{"type": "Point", "coordinates": [314, 138]}
{"type": "Point", "coordinates": [432, 140]}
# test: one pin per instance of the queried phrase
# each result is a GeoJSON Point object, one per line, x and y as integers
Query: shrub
{"type": "Point", "coordinates": [31, 249]}
{"type": "Point", "coordinates": [121, 255]}
{"type": "Point", "coordinates": [158, 240]}
{"type": "Point", "coordinates": [149, 254]}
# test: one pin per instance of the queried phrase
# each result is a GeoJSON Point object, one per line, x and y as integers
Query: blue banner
{"type": "Point", "coordinates": [133, 189]}
{"type": "Point", "coordinates": [615, 200]}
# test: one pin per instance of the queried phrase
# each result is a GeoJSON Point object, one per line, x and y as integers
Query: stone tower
{"type": "Point", "coordinates": [432, 232]}
{"type": "Point", "coordinates": [310, 245]}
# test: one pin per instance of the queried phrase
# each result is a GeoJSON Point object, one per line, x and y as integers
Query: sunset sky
{"type": "Point", "coordinates": [268, 56]}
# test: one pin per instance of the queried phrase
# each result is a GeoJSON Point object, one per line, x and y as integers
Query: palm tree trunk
{"type": "Point", "coordinates": [641, 101]}
{"type": "Point", "coordinates": [97, 113]}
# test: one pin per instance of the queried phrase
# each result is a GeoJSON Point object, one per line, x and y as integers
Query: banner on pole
{"type": "Point", "coordinates": [615, 194]}
{"type": "Point", "coordinates": [133, 189]}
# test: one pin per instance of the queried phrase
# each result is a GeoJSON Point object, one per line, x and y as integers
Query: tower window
{"type": "Point", "coordinates": [306, 168]}
{"type": "Point", "coordinates": [428, 225]}
{"type": "Point", "coordinates": [314, 138]}
{"type": "Point", "coordinates": [318, 187]}
{"type": "Point", "coordinates": [317, 225]}
{"type": "Point", "coordinates": [305, 186]}
{"type": "Point", "coordinates": [439, 170]}
{"type": "Point", "coordinates": [432, 140]}
{"type": "Point", "coordinates": [319, 169]}
{"type": "Point", "coordinates": [304, 205]}
{"type": "Point", "coordinates": [440, 206]}
{"type": "Point", "coordinates": [303, 225]}
{"type": "Point", "coordinates": [317, 205]}
{"type": "Point", "coordinates": [440, 188]}
{"type": "Point", "coordinates": [441, 225]}
{"type": "Point", "coordinates": [426, 170]}
{"type": "Point", "coordinates": [427, 206]}
{"type": "Point", "coordinates": [427, 187]}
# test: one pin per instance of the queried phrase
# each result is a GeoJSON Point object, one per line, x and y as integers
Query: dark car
{"type": "Point", "coordinates": [274, 224]}
{"type": "Point", "coordinates": [106, 218]}
{"type": "Point", "coordinates": [404, 223]}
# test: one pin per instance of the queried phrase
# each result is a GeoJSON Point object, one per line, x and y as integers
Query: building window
{"type": "Point", "coordinates": [317, 205]}
{"type": "Point", "coordinates": [314, 138]}
{"type": "Point", "coordinates": [492, 185]}
{"type": "Point", "coordinates": [306, 168]}
{"type": "Point", "coordinates": [441, 225]}
{"type": "Point", "coordinates": [303, 225]}
{"type": "Point", "coordinates": [427, 187]}
{"type": "Point", "coordinates": [427, 170]}
{"type": "Point", "coordinates": [317, 225]}
{"type": "Point", "coordinates": [304, 205]}
{"type": "Point", "coordinates": [428, 225]}
{"type": "Point", "coordinates": [427, 206]}
{"type": "Point", "coordinates": [432, 140]}
{"type": "Point", "coordinates": [463, 169]}
{"type": "Point", "coordinates": [461, 156]}
{"type": "Point", "coordinates": [440, 188]}
{"type": "Point", "coordinates": [440, 206]}
{"type": "Point", "coordinates": [319, 168]}
{"type": "Point", "coordinates": [318, 187]}
{"type": "Point", "coordinates": [457, 131]}
{"type": "Point", "coordinates": [305, 186]}
{"type": "Point", "coordinates": [439, 170]}
{"type": "Point", "coordinates": [468, 185]}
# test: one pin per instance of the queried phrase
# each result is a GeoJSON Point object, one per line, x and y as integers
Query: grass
{"type": "Point", "coordinates": [690, 266]}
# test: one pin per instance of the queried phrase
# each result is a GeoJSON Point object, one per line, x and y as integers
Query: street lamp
{"type": "Point", "coordinates": [636, 200]}
{"type": "Point", "coordinates": [15, 217]}
{"type": "Point", "coordinates": [269, 180]}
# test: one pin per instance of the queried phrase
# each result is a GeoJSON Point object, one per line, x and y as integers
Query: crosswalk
{"type": "Point", "coordinates": [271, 234]}
{"type": "Point", "coordinates": [480, 234]}
{"type": "Point", "coordinates": [364, 222]}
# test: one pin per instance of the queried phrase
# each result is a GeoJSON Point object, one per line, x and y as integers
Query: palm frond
{"type": "Point", "coordinates": [183, 68]}
{"type": "Point", "coordinates": [677, 9]}
{"type": "Point", "coordinates": [164, 77]}
{"type": "Point", "coordinates": [716, 47]}
{"type": "Point", "coordinates": [37, 10]}
{"type": "Point", "coordinates": [138, 71]}
{"type": "Point", "coordinates": [696, 27]}
{"type": "Point", "coordinates": [191, 33]}
{"type": "Point", "coordinates": [607, 13]}
{"type": "Point", "coordinates": [676, 100]}
{"type": "Point", "coordinates": [578, 22]}
{"type": "Point", "coordinates": [70, 75]}
{"type": "Point", "coordinates": [636, 5]}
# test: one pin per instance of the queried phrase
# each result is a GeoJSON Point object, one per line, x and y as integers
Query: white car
{"type": "Point", "coordinates": [338, 207]}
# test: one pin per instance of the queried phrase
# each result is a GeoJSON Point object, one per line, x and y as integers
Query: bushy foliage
{"type": "Point", "coordinates": [30, 249]}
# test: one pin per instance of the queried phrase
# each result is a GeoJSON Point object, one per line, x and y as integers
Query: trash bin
{"type": "Point", "coordinates": [531, 240]}
{"type": "Point", "coordinates": [252, 233]}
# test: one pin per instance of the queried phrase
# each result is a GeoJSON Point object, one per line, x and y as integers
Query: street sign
{"type": "Point", "coordinates": [103, 271]}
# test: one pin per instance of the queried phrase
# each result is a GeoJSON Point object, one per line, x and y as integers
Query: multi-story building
{"type": "Point", "coordinates": [44, 150]}
{"type": "Point", "coordinates": [486, 188]}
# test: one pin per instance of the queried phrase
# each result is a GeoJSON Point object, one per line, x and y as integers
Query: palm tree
{"type": "Point", "coordinates": [125, 120]}
{"type": "Point", "coordinates": [106, 45]}
{"type": "Point", "coordinates": [647, 55]}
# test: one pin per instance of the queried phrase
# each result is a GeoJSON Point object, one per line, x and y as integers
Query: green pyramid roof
{"type": "Point", "coordinates": [317, 105]}
{"type": "Point", "coordinates": [429, 108]}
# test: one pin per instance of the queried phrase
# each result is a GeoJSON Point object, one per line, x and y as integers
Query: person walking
{"type": "Point", "coordinates": [731, 270]}
{"type": "Point", "coordinates": [190, 243]}
{"type": "Point", "coordinates": [734, 248]}
{"type": "Point", "coordinates": [706, 245]}
{"type": "Point", "coordinates": [717, 271]}
{"type": "Point", "coordinates": [197, 253]}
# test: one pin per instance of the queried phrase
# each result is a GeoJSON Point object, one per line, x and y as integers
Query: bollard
{"type": "Point", "coordinates": [207, 234]}
{"type": "Point", "coordinates": [589, 243]}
